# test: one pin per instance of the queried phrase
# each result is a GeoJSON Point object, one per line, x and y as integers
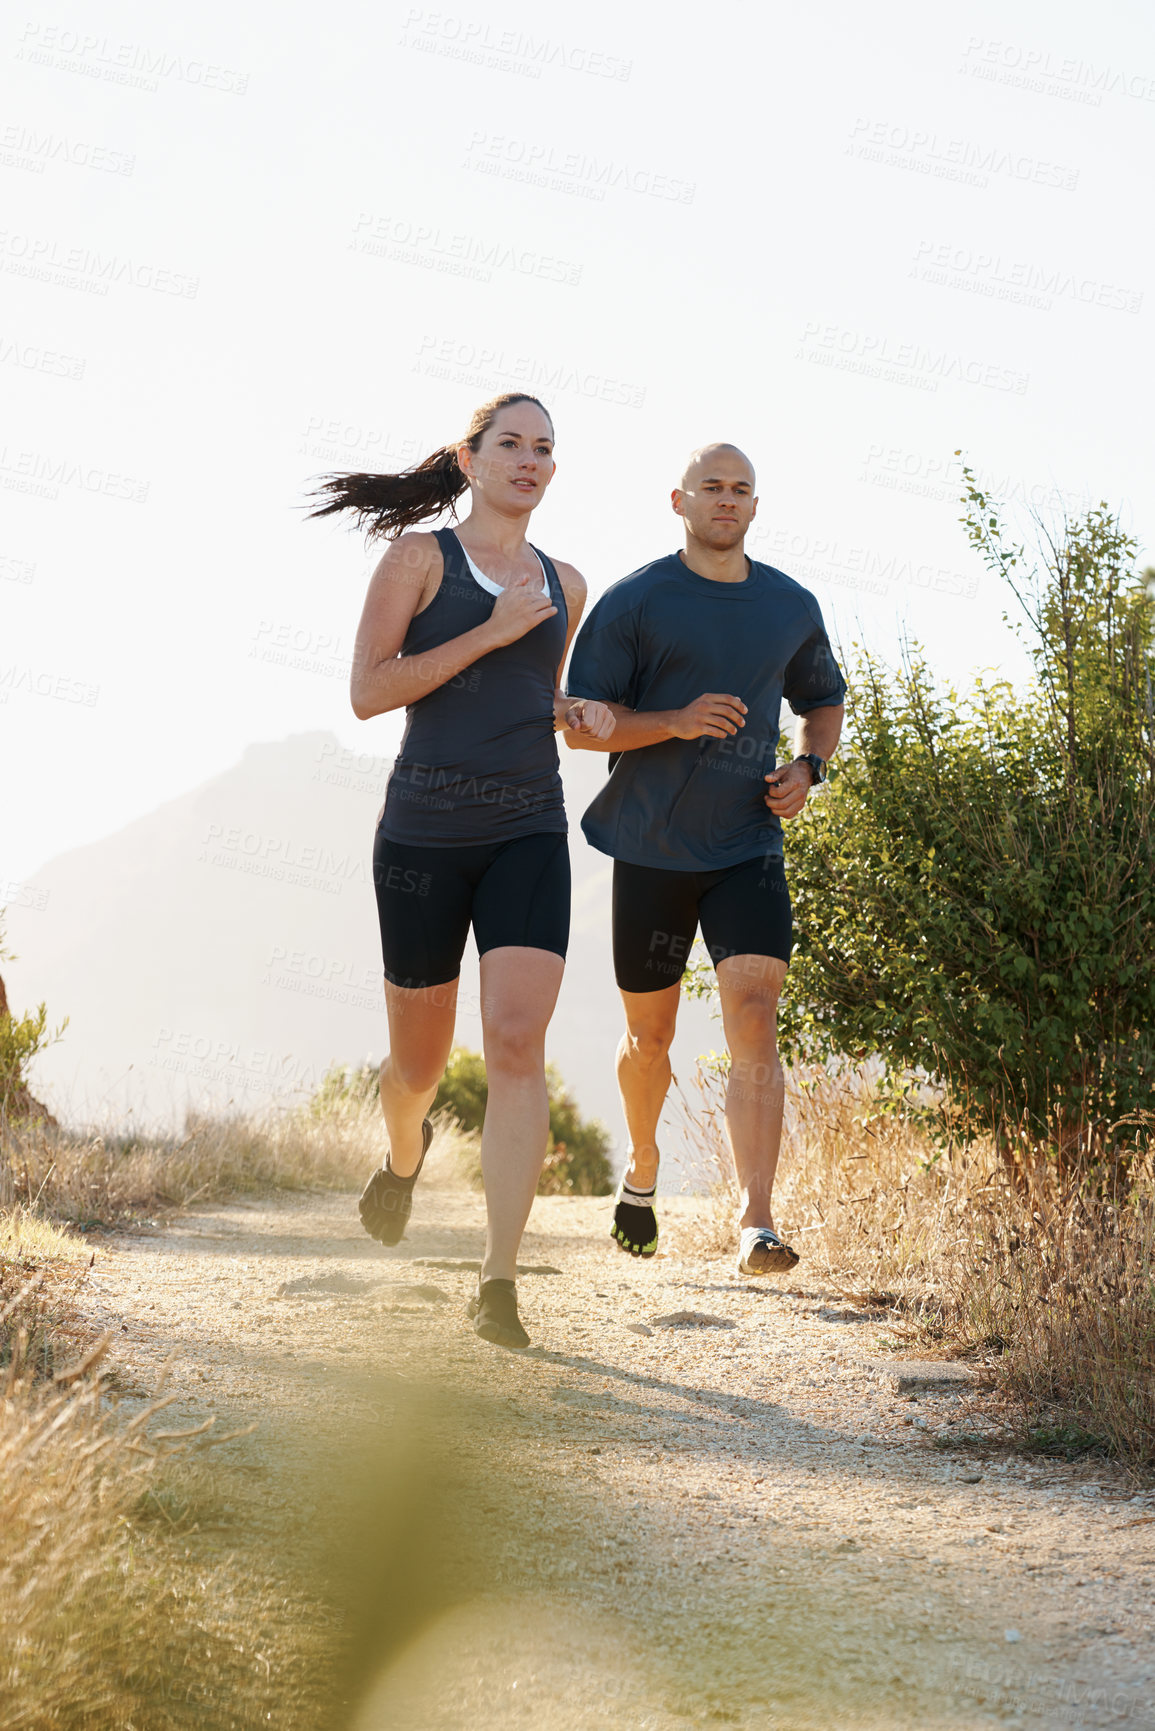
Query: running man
{"type": "Point", "coordinates": [693, 656]}
{"type": "Point", "coordinates": [468, 630]}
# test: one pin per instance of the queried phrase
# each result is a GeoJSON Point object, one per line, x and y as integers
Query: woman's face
{"type": "Point", "coordinates": [514, 463]}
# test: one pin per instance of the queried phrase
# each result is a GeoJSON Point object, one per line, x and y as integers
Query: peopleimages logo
{"type": "Point", "coordinates": [242, 1067]}
{"type": "Point", "coordinates": [35, 682]}
{"type": "Point", "coordinates": [870, 570]}
{"type": "Point", "coordinates": [27, 148]}
{"type": "Point", "coordinates": [918, 365]}
{"type": "Point", "coordinates": [280, 858]}
{"type": "Point", "coordinates": [482, 44]}
{"type": "Point", "coordinates": [431, 248]}
{"type": "Point", "coordinates": [1017, 280]}
{"type": "Point", "coordinates": [43, 476]}
{"type": "Point", "coordinates": [939, 477]}
{"type": "Point", "coordinates": [493, 369]}
{"type": "Point", "coordinates": [1026, 67]}
{"type": "Point", "coordinates": [537, 162]}
{"type": "Point", "coordinates": [31, 358]}
{"type": "Point", "coordinates": [332, 439]}
{"type": "Point", "coordinates": [358, 771]}
{"type": "Point", "coordinates": [48, 260]}
{"type": "Point", "coordinates": [18, 895]}
{"type": "Point", "coordinates": [117, 62]}
{"type": "Point", "coordinates": [923, 151]}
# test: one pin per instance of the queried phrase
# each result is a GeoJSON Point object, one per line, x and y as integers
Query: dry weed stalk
{"type": "Point", "coordinates": [1055, 1286]}
{"type": "Point", "coordinates": [857, 1189]}
{"type": "Point", "coordinates": [1064, 1286]}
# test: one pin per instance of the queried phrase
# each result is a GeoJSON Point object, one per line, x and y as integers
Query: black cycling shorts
{"type": "Point", "coordinates": [744, 910]}
{"type": "Point", "coordinates": [511, 892]}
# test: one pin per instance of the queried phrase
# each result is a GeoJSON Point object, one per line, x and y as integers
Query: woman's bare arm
{"type": "Point", "coordinates": [406, 579]}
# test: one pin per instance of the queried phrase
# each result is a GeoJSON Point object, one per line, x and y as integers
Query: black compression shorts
{"type": "Point", "coordinates": [511, 892]}
{"type": "Point", "coordinates": [744, 910]}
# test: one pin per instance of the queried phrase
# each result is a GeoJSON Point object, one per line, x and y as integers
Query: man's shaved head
{"type": "Point", "coordinates": [715, 498]}
{"type": "Point", "coordinates": [700, 463]}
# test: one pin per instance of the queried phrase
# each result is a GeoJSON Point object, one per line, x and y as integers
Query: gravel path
{"type": "Point", "coordinates": [695, 1499]}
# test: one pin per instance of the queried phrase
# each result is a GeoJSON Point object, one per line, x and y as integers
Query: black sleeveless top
{"type": "Point", "coordinates": [478, 759]}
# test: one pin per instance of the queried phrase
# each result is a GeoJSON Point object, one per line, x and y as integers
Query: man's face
{"type": "Point", "coordinates": [717, 499]}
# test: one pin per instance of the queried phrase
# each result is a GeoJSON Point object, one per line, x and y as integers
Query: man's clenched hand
{"type": "Point", "coordinates": [788, 788]}
{"type": "Point", "coordinates": [585, 715]}
{"type": "Point", "coordinates": [714, 714]}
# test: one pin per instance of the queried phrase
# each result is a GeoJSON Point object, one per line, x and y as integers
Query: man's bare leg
{"type": "Point", "coordinates": [643, 1069]}
{"type": "Point", "coordinates": [749, 988]}
{"type": "Point", "coordinates": [643, 1080]}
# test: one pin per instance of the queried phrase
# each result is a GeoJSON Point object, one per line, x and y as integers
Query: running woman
{"type": "Point", "coordinates": [693, 655]}
{"type": "Point", "coordinates": [468, 629]}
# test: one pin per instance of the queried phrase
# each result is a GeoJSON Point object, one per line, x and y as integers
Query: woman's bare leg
{"type": "Point", "coordinates": [421, 1023]}
{"type": "Point", "coordinates": [519, 988]}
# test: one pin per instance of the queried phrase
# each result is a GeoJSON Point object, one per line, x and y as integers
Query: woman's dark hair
{"type": "Point", "coordinates": [386, 505]}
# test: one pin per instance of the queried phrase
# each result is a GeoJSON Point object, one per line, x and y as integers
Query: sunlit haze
{"type": "Point", "coordinates": [241, 248]}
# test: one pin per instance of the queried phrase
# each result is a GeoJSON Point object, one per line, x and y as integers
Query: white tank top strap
{"type": "Point", "coordinates": [487, 583]}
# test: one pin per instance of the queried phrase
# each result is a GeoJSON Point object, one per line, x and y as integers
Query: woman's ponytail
{"type": "Point", "coordinates": [387, 505]}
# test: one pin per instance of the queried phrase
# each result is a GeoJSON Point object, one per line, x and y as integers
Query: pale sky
{"type": "Point", "coordinates": [241, 246]}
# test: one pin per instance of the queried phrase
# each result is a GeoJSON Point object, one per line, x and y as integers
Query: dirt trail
{"type": "Point", "coordinates": [737, 1522]}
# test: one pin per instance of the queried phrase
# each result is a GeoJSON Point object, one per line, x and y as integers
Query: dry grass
{"type": "Point", "coordinates": [105, 1621]}
{"type": "Point", "coordinates": [1065, 1289]}
{"type": "Point", "coordinates": [1055, 1291]}
{"type": "Point", "coordinates": [858, 1190]}
{"type": "Point", "coordinates": [107, 1618]}
{"type": "Point", "coordinates": [89, 1179]}
{"type": "Point", "coordinates": [42, 1266]}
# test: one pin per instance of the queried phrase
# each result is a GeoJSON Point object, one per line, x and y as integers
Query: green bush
{"type": "Point", "coordinates": [344, 1086]}
{"type": "Point", "coordinates": [20, 1041]}
{"type": "Point", "coordinates": [577, 1162]}
{"type": "Point", "coordinates": [463, 1090]}
{"type": "Point", "coordinates": [975, 891]}
{"type": "Point", "coordinates": [577, 1158]}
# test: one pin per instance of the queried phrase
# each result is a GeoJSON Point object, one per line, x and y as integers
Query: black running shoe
{"type": "Point", "coordinates": [387, 1201]}
{"type": "Point", "coordinates": [635, 1225]}
{"type": "Point", "coordinates": [493, 1309]}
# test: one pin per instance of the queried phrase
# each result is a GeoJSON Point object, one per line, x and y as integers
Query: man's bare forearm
{"type": "Point", "coordinates": [819, 732]}
{"type": "Point", "coordinates": [633, 728]}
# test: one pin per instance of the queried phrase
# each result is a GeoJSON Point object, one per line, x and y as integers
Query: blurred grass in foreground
{"type": "Point", "coordinates": [107, 1622]}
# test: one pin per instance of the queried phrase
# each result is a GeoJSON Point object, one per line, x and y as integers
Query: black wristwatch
{"type": "Point", "coordinates": [816, 765]}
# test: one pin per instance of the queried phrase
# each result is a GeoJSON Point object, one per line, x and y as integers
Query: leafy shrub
{"type": "Point", "coordinates": [577, 1158]}
{"type": "Point", "coordinates": [20, 1041]}
{"type": "Point", "coordinates": [576, 1161]}
{"type": "Point", "coordinates": [344, 1087]}
{"type": "Point", "coordinates": [975, 892]}
{"type": "Point", "coordinates": [463, 1090]}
